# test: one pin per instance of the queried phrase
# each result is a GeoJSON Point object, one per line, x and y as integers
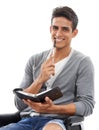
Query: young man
{"type": "Point", "coordinates": [61, 66]}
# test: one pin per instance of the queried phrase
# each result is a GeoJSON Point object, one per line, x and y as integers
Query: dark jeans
{"type": "Point", "coordinates": [31, 123]}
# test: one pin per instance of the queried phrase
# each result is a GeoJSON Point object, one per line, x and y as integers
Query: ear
{"type": "Point", "coordinates": [50, 29]}
{"type": "Point", "coordinates": [75, 32]}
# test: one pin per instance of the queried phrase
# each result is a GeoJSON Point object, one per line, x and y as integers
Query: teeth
{"type": "Point", "coordinates": [59, 40]}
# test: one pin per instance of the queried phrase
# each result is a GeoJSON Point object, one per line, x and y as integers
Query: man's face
{"type": "Point", "coordinates": [61, 30]}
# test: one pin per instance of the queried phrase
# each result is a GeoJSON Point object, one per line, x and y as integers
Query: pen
{"type": "Point", "coordinates": [53, 51]}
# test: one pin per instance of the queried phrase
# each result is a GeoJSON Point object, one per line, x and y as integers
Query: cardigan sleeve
{"type": "Point", "coordinates": [26, 81]}
{"type": "Point", "coordinates": [85, 88]}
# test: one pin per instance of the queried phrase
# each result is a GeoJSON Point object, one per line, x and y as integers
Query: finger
{"type": "Point", "coordinates": [51, 73]}
{"type": "Point", "coordinates": [48, 100]}
{"type": "Point", "coordinates": [25, 101]}
{"type": "Point", "coordinates": [28, 102]}
{"type": "Point", "coordinates": [49, 60]}
{"type": "Point", "coordinates": [47, 64]}
{"type": "Point", "coordinates": [50, 68]}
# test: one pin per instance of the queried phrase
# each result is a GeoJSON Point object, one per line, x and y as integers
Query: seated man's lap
{"type": "Point", "coordinates": [35, 123]}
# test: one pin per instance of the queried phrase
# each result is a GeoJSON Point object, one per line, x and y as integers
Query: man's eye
{"type": "Point", "coordinates": [55, 28]}
{"type": "Point", "coordinates": [65, 29]}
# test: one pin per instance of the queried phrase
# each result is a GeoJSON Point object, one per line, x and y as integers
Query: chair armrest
{"type": "Point", "coordinates": [73, 119]}
{"type": "Point", "coordinates": [9, 118]}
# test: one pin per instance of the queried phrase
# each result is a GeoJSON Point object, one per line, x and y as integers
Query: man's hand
{"type": "Point", "coordinates": [45, 107]}
{"type": "Point", "coordinates": [49, 107]}
{"type": "Point", "coordinates": [47, 69]}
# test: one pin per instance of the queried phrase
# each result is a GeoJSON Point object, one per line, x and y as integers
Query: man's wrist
{"type": "Point", "coordinates": [39, 81]}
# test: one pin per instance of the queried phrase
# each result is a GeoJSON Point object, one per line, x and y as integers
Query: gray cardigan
{"type": "Point", "coordinates": [78, 73]}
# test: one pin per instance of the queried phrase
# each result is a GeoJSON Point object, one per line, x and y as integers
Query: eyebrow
{"type": "Point", "coordinates": [64, 27]}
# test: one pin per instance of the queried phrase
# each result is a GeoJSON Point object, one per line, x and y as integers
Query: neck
{"type": "Point", "coordinates": [61, 54]}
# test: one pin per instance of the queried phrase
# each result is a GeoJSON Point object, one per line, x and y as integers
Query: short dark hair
{"type": "Point", "coordinates": [68, 13]}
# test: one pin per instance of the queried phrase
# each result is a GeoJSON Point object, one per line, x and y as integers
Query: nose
{"type": "Point", "coordinates": [59, 33]}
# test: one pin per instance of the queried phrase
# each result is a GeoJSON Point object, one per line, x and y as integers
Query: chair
{"type": "Point", "coordinates": [71, 123]}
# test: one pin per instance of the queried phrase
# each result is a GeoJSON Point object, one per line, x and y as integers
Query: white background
{"type": "Point", "coordinates": [24, 31]}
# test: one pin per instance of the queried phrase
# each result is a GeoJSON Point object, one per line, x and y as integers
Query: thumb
{"type": "Point", "coordinates": [48, 100]}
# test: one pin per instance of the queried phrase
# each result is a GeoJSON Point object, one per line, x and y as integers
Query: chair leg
{"type": "Point", "coordinates": [76, 127]}
{"type": "Point", "coordinates": [68, 127]}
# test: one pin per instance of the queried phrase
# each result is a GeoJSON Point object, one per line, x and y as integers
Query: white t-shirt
{"type": "Point", "coordinates": [58, 68]}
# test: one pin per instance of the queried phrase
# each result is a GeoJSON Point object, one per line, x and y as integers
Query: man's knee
{"type": "Point", "coordinates": [52, 126]}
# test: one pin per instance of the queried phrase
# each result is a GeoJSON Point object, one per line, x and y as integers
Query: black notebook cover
{"type": "Point", "coordinates": [53, 94]}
